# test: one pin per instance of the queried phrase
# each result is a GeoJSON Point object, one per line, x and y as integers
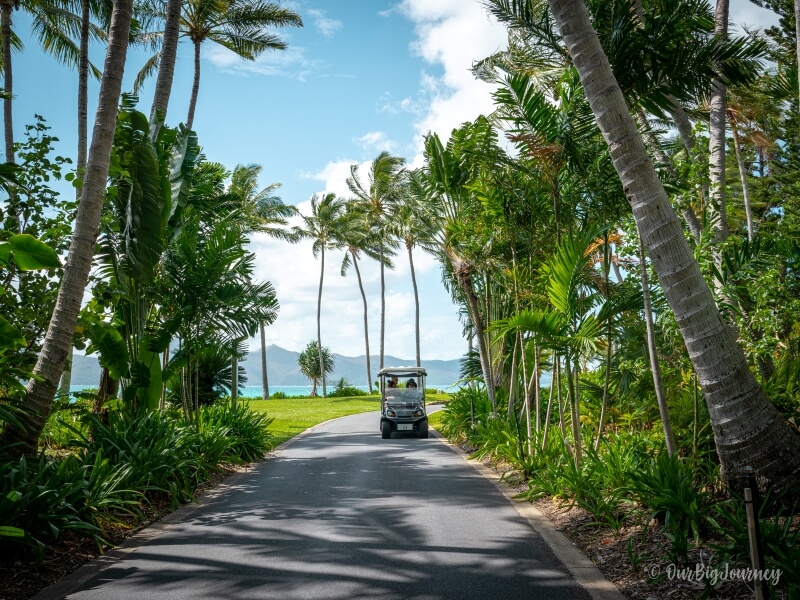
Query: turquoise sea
{"type": "Point", "coordinates": [252, 391]}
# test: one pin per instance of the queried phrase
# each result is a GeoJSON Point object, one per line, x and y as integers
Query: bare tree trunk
{"type": "Point", "coordinates": [66, 376]}
{"type": "Point", "coordinates": [526, 392]}
{"type": "Point", "coordinates": [465, 282]}
{"type": "Point", "coordinates": [6, 7]}
{"type": "Point", "coordinates": [743, 178]}
{"type": "Point", "coordinates": [366, 322]}
{"type": "Point", "coordinates": [748, 429]}
{"type": "Point", "coordinates": [655, 367]}
{"type": "Point", "coordinates": [716, 142]}
{"type": "Point", "coordinates": [383, 310]}
{"type": "Point", "coordinates": [195, 87]}
{"type": "Point", "coordinates": [416, 301]}
{"type": "Point", "coordinates": [512, 381]}
{"type": "Point", "coordinates": [797, 38]}
{"type": "Point", "coordinates": [319, 322]}
{"type": "Point", "coordinates": [264, 376]}
{"type": "Point", "coordinates": [234, 378]}
{"type": "Point", "coordinates": [166, 68]}
{"type": "Point", "coordinates": [549, 411]}
{"type": "Point", "coordinates": [40, 391]}
{"type": "Point", "coordinates": [83, 89]}
{"type": "Point", "coordinates": [561, 420]}
{"type": "Point", "coordinates": [609, 344]}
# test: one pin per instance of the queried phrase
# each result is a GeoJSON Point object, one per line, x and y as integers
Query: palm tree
{"type": "Point", "coordinates": [376, 197]}
{"type": "Point", "coordinates": [315, 364]}
{"type": "Point", "coordinates": [267, 214]}
{"type": "Point", "coordinates": [48, 369]}
{"type": "Point", "coordinates": [241, 26]}
{"type": "Point", "coordinates": [166, 67]}
{"type": "Point", "coordinates": [748, 429]}
{"type": "Point", "coordinates": [359, 238]}
{"type": "Point", "coordinates": [325, 227]}
{"type": "Point", "coordinates": [409, 225]}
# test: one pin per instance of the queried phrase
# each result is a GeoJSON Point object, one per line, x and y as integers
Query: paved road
{"type": "Point", "coordinates": [342, 514]}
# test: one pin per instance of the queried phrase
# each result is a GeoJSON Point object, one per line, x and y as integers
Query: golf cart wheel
{"type": "Point", "coordinates": [422, 429]}
{"type": "Point", "coordinates": [386, 430]}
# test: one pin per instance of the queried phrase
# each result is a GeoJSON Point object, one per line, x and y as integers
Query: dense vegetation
{"type": "Point", "coordinates": [624, 225]}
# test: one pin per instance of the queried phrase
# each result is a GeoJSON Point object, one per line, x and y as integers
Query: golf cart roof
{"type": "Point", "coordinates": [402, 371]}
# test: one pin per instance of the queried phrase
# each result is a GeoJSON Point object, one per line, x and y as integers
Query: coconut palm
{"type": "Point", "coordinates": [376, 196]}
{"type": "Point", "coordinates": [241, 26]}
{"type": "Point", "coordinates": [325, 226]}
{"type": "Point", "coordinates": [315, 364]}
{"type": "Point", "coordinates": [360, 239]}
{"type": "Point", "coordinates": [267, 214]}
{"type": "Point", "coordinates": [410, 226]}
{"type": "Point", "coordinates": [48, 369]}
{"type": "Point", "coordinates": [748, 429]}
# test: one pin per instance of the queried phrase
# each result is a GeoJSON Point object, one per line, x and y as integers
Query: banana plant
{"type": "Point", "coordinates": [149, 189]}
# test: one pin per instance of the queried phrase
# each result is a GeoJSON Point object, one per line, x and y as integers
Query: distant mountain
{"type": "Point", "coordinates": [282, 369]}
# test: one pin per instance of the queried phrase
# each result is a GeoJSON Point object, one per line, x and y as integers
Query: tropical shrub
{"type": "Point", "coordinates": [343, 389]}
{"type": "Point", "coordinates": [243, 432]}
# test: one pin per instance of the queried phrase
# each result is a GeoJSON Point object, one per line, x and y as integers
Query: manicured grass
{"type": "Point", "coordinates": [435, 420]}
{"type": "Point", "coordinates": [294, 415]}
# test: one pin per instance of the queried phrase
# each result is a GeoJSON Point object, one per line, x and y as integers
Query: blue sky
{"type": "Point", "coordinates": [362, 76]}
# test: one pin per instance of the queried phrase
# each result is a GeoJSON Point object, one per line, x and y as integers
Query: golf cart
{"type": "Point", "coordinates": [403, 406]}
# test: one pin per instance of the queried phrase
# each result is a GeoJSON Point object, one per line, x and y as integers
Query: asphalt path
{"type": "Point", "coordinates": [340, 513]}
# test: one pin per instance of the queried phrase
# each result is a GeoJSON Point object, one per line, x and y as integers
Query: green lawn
{"type": "Point", "coordinates": [295, 415]}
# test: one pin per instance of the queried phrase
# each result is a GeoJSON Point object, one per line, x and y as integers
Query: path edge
{"type": "Point", "coordinates": [585, 572]}
{"type": "Point", "coordinates": [72, 581]}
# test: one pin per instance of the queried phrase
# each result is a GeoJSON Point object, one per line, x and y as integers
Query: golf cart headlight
{"type": "Point", "coordinates": [391, 413]}
{"type": "Point", "coordinates": [418, 412]}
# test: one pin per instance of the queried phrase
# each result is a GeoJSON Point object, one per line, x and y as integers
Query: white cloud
{"type": "Point", "coordinates": [745, 13]}
{"type": "Point", "coordinates": [292, 63]}
{"type": "Point", "coordinates": [326, 26]}
{"type": "Point", "coordinates": [334, 176]}
{"type": "Point", "coordinates": [451, 35]}
{"type": "Point", "coordinates": [376, 141]}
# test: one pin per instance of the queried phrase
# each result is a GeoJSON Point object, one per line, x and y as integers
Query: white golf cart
{"type": "Point", "coordinates": [403, 406]}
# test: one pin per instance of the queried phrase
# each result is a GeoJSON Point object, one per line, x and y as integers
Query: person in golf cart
{"type": "Point", "coordinates": [403, 408]}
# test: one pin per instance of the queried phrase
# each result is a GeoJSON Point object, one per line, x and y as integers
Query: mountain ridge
{"type": "Point", "coordinates": [283, 370]}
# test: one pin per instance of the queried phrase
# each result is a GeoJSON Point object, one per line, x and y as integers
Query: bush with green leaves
{"type": "Point", "coordinates": [241, 431]}
{"type": "Point", "coordinates": [40, 498]}
{"type": "Point", "coordinates": [163, 453]}
{"type": "Point", "coordinates": [467, 408]}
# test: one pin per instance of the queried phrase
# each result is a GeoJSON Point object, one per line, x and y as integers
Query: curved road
{"type": "Point", "coordinates": [339, 513]}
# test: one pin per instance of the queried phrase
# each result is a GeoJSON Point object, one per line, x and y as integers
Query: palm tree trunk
{"type": "Point", "coordinates": [366, 322]}
{"type": "Point", "coordinates": [748, 429]}
{"type": "Point", "coordinates": [797, 38]}
{"type": "Point", "coordinates": [166, 68]}
{"type": "Point", "coordinates": [234, 378]}
{"type": "Point", "coordinates": [716, 142]}
{"type": "Point", "coordinates": [561, 420]}
{"type": "Point", "coordinates": [574, 407]}
{"type": "Point", "coordinates": [464, 279]}
{"type": "Point", "coordinates": [689, 216]}
{"type": "Point", "coordinates": [6, 6]}
{"type": "Point", "coordinates": [609, 344]}
{"type": "Point", "coordinates": [264, 377]}
{"type": "Point", "coordinates": [66, 376]}
{"type": "Point", "coordinates": [743, 178]}
{"type": "Point", "coordinates": [195, 86]}
{"type": "Point", "coordinates": [549, 411]}
{"type": "Point", "coordinates": [416, 301]}
{"type": "Point", "coordinates": [83, 90]}
{"type": "Point", "coordinates": [526, 392]}
{"type": "Point", "coordinates": [319, 322]}
{"type": "Point", "coordinates": [383, 309]}
{"type": "Point", "coordinates": [512, 380]}
{"type": "Point", "coordinates": [40, 391]}
{"type": "Point", "coordinates": [655, 367]}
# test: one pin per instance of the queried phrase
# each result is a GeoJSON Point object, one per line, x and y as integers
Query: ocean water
{"type": "Point", "coordinates": [252, 391]}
